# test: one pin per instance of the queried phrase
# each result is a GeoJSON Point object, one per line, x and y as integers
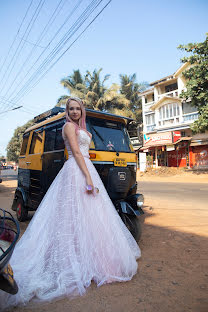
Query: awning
{"type": "Point", "coordinates": [143, 148]}
{"type": "Point", "coordinates": [198, 142]}
{"type": "Point", "coordinates": [183, 139]}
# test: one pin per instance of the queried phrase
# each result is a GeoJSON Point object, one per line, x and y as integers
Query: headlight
{"type": "Point", "coordinates": [140, 201]}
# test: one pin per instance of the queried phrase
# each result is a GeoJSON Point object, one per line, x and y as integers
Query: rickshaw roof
{"type": "Point", "coordinates": [57, 113]}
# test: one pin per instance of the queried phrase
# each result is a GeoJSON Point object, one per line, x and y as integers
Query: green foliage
{"type": "Point", "coordinates": [14, 145]}
{"type": "Point", "coordinates": [121, 100]}
{"type": "Point", "coordinates": [2, 160]}
{"type": "Point", "coordinates": [201, 125]}
{"type": "Point", "coordinates": [197, 81]}
{"type": "Point", "coordinates": [149, 159]}
{"type": "Point", "coordinates": [130, 88]}
{"type": "Point", "coordinates": [92, 90]}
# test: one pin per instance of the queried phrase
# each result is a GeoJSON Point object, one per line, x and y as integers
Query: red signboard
{"type": "Point", "coordinates": [176, 136]}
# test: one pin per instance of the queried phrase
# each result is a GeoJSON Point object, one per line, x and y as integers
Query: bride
{"type": "Point", "coordinates": [76, 235]}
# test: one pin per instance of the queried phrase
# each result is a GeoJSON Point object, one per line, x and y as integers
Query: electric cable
{"type": "Point", "coordinates": [43, 33]}
{"type": "Point", "coordinates": [38, 58]}
{"type": "Point", "coordinates": [55, 51]}
{"type": "Point", "coordinates": [58, 47]}
{"type": "Point", "coordinates": [18, 50]}
{"type": "Point", "coordinates": [10, 48]}
{"type": "Point", "coordinates": [70, 45]}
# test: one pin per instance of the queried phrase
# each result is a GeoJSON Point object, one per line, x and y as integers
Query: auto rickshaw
{"type": "Point", "coordinates": [43, 154]}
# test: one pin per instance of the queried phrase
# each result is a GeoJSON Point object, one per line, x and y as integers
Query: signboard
{"type": "Point", "coordinates": [163, 138]}
{"type": "Point", "coordinates": [158, 139]}
{"type": "Point", "coordinates": [176, 136]}
{"type": "Point", "coordinates": [170, 148]}
{"type": "Point", "coordinates": [135, 142]}
{"type": "Point", "coordinates": [142, 162]}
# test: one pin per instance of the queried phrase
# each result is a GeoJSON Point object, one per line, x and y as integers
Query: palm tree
{"type": "Point", "coordinates": [75, 84]}
{"type": "Point", "coordinates": [130, 88]}
{"type": "Point", "coordinates": [91, 89]}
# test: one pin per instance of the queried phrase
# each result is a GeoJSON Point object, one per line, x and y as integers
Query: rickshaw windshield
{"type": "Point", "coordinates": [109, 135]}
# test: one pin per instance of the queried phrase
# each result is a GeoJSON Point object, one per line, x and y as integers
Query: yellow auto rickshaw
{"type": "Point", "coordinates": [43, 154]}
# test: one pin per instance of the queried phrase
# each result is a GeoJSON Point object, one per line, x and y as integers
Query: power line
{"type": "Point", "coordinates": [38, 58]}
{"type": "Point", "coordinates": [5, 101]}
{"type": "Point", "coordinates": [33, 44]}
{"type": "Point", "coordinates": [69, 46]}
{"type": "Point", "coordinates": [27, 87]}
{"type": "Point", "coordinates": [18, 50]}
{"type": "Point", "coordinates": [63, 41]}
{"type": "Point", "coordinates": [10, 48]}
{"type": "Point", "coordinates": [43, 33]}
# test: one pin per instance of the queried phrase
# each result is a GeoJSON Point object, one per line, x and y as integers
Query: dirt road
{"type": "Point", "coordinates": [173, 270]}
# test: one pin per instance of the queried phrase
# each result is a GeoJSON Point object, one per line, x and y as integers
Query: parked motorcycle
{"type": "Point", "coordinates": [9, 233]}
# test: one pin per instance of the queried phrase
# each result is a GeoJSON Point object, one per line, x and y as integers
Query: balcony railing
{"type": "Point", "coordinates": [151, 128]}
{"type": "Point", "coordinates": [171, 94]}
{"type": "Point", "coordinates": [190, 117]}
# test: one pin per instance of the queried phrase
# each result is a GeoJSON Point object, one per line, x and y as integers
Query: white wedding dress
{"type": "Point", "coordinates": [73, 238]}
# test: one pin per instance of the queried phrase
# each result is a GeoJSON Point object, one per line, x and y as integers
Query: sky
{"type": "Point", "coordinates": [127, 37]}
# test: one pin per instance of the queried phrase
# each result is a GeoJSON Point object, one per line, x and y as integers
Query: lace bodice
{"type": "Point", "coordinates": [83, 141]}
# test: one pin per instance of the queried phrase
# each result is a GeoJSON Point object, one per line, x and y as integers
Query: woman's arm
{"type": "Point", "coordinates": [69, 131]}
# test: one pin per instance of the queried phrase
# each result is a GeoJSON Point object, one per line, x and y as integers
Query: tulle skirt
{"type": "Point", "coordinates": [72, 239]}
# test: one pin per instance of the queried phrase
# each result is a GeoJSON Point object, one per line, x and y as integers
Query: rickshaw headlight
{"type": "Point", "coordinates": [135, 168]}
{"type": "Point", "coordinates": [140, 201]}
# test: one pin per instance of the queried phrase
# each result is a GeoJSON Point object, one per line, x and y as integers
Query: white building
{"type": "Point", "coordinates": [166, 122]}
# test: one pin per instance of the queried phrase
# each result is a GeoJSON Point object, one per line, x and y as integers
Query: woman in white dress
{"type": "Point", "coordinates": [76, 235]}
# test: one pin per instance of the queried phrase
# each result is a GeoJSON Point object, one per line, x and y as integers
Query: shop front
{"type": "Point", "coordinates": [179, 157]}
{"type": "Point", "coordinates": [161, 147]}
{"type": "Point", "coordinates": [171, 150]}
{"type": "Point", "coordinates": [199, 156]}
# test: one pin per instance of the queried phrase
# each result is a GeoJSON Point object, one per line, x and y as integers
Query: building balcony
{"type": "Point", "coordinates": [147, 106]}
{"type": "Point", "coordinates": [191, 117]}
{"type": "Point", "coordinates": [177, 121]}
{"type": "Point", "coordinates": [171, 94]}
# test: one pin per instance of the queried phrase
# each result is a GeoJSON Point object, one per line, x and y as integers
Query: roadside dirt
{"type": "Point", "coordinates": [173, 271]}
{"type": "Point", "coordinates": [165, 174]}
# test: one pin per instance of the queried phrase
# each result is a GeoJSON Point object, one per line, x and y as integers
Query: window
{"type": "Point", "coordinates": [50, 136]}
{"type": "Point", "coordinates": [108, 135]}
{"type": "Point", "coordinates": [171, 87]}
{"type": "Point", "coordinates": [188, 108]}
{"type": "Point", "coordinates": [150, 119]}
{"type": "Point", "coordinates": [53, 137]}
{"type": "Point", "coordinates": [24, 143]}
{"type": "Point", "coordinates": [169, 110]}
{"type": "Point", "coordinates": [59, 142]}
{"type": "Point", "coordinates": [36, 144]}
{"type": "Point", "coordinates": [169, 114]}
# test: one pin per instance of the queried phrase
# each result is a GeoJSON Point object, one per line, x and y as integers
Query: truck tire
{"type": "Point", "coordinates": [133, 225]}
{"type": "Point", "coordinates": [21, 210]}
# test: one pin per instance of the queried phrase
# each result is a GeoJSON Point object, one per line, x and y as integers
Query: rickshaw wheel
{"type": "Point", "coordinates": [133, 225]}
{"type": "Point", "coordinates": [21, 211]}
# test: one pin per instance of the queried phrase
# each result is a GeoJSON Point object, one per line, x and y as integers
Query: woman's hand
{"type": "Point", "coordinates": [90, 183]}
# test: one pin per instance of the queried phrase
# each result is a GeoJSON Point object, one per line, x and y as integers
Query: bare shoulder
{"type": "Point", "coordinates": [69, 127]}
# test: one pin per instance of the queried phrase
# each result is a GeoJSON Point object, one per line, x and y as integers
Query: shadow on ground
{"type": "Point", "coordinates": [172, 277]}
